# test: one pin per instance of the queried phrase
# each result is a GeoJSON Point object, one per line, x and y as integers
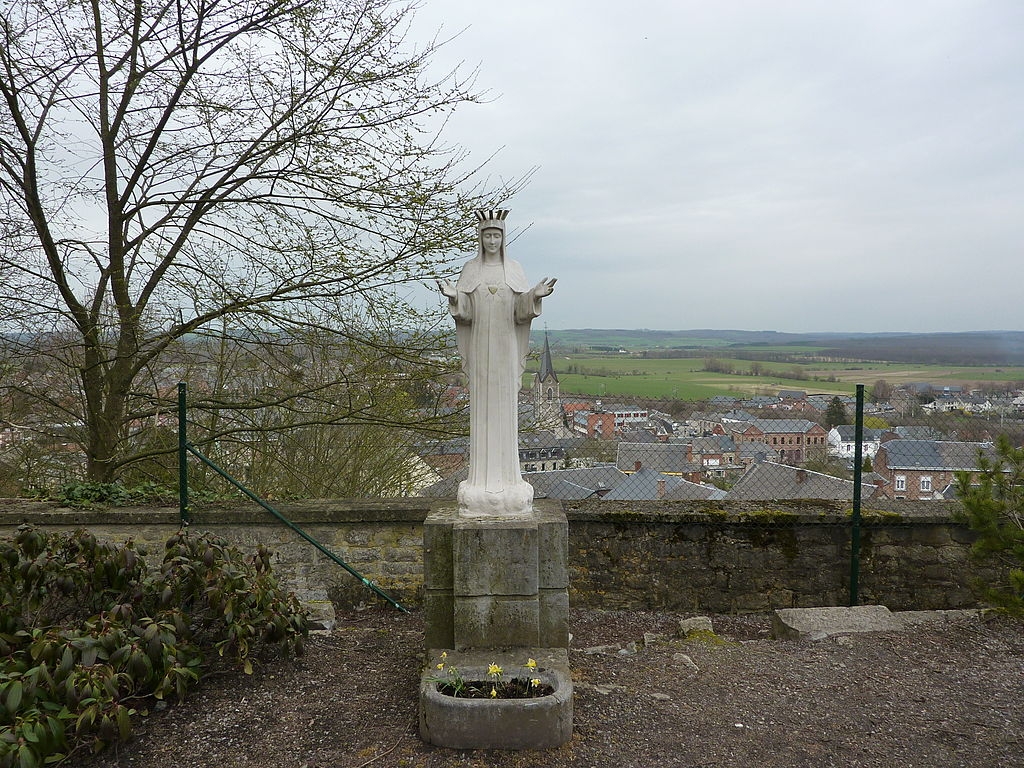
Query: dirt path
{"type": "Point", "coordinates": [944, 694]}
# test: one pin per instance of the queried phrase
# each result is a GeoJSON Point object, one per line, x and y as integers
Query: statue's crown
{"type": "Point", "coordinates": [493, 219]}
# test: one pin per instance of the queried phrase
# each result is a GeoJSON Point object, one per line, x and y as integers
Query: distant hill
{"type": "Point", "coordinates": [979, 348]}
{"type": "Point", "coordinates": [967, 348]}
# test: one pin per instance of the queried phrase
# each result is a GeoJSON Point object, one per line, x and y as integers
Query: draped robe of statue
{"type": "Point", "coordinates": [493, 308]}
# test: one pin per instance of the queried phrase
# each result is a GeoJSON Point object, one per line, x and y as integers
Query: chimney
{"type": "Point", "coordinates": [801, 475]}
{"type": "Point", "coordinates": [637, 466]}
{"type": "Point", "coordinates": [661, 489]}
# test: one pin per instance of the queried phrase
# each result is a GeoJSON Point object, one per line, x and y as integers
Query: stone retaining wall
{"type": "Point", "coordinates": [686, 556]}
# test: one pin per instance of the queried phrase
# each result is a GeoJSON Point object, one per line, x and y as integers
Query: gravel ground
{"type": "Point", "coordinates": [947, 693]}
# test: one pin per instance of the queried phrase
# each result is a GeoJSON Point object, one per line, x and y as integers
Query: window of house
{"type": "Point", "coordinates": [901, 482]}
{"type": "Point", "coordinates": [926, 484]}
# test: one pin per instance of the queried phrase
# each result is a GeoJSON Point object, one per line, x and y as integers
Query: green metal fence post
{"type": "Point", "coordinates": [182, 454]}
{"type": "Point", "coordinates": [858, 459]}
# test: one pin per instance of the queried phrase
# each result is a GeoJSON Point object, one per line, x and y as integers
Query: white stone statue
{"type": "Point", "coordinates": [493, 305]}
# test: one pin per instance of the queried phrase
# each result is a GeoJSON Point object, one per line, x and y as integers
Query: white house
{"type": "Point", "coordinates": [841, 441]}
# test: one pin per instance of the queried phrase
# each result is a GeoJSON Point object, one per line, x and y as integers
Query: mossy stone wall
{"type": "Point", "coordinates": [681, 556]}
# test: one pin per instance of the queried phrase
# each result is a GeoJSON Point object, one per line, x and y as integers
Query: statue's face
{"type": "Point", "coordinates": [491, 240]}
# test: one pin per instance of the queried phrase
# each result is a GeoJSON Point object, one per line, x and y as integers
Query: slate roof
{"type": "Point", "coordinates": [545, 438]}
{"type": "Point", "coordinates": [917, 432]}
{"type": "Point", "coordinates": [687, 491]}
{"type": "Point", "coordinates": [713, 444]}
{"type": "Point", "coordinates": [760, 401]}
{"type": "Point", "coordinates": [874, 479]}
{"type": "Point", "coordinates": [644, 485]}
{"type": "Point", "coordinates": [563, 490]}
{"type": "Point", "coordinates": [775, 426]}
{"type": "Point", "coordinates": [456, 445]}
{"type": "Point", "coordinates": [771, 480]}
{"type": "Point", "coordinates": [933, 454]}
{"type": "Point", "coordinates": [579, 483]}
{"type": "Point", "coordinates": [720, 400]}
{"type": "Point", "coordinates": [757, 452]}
{"type": "Point", "coordinates": [644, 436]}
{"type": "Point", "coordinates": [572, 484]}
{"type": "Point", "coordinates": [542, 438]}
{"type": "Point", "coordinates": [664, 423]}
{"type": "Point", "coordinates": [792, 394]}
{"type": "Point", "coordinates": [662, 457]}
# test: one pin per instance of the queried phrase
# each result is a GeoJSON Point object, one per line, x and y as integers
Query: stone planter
{"type": "Point", "coordinates": [539, 723]}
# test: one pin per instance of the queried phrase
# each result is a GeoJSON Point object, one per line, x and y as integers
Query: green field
{"type": "Point", "coordinates": [680, 379]}
{"type": "Point", "coordinates": [683, 378]}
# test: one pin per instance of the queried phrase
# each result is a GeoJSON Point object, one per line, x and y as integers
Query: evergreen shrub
{"type": "Point", "coordinates": [993, 502]}
{"type": "Point", "coordinates": [90, 636]}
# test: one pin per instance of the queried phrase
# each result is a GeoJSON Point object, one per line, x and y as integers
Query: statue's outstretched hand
{"type": "Point", "coordinates": [544, 287]}
{"type": "Point", "coordinates": [448, 289]}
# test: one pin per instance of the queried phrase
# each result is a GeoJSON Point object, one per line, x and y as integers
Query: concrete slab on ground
{"type": "Point", "coordinates": [819, 623]}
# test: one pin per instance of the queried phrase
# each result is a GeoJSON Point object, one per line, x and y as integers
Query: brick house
{"type": "Point", "coordinates": [793, 441]}
{"type": "Point", "coordinates": [608, 423]}
{"type": "Point", "coordinates": [924, 469]}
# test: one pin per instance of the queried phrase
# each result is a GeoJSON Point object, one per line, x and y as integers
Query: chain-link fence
{"type": "Point", "coordinates": [794, 445]}
{"type": "Point", "coordinates": [403, 435]}
{"type": "Point", "coordinates": [838, 502]}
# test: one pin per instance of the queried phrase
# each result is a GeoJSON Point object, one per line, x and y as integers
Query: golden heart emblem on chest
{"type": "Point", "coordinates": [492, 288]}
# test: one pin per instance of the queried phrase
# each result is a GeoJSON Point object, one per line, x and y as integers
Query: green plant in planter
{"type": "Point", "coordinates": [453, 683]}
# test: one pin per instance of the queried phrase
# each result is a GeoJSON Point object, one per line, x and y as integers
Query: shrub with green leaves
{"type": "Point", "coordinates": [88, 633]}
{"type": "Point", "coordinates": [993, 506]}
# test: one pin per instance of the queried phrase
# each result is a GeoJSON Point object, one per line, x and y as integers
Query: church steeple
{"type": "Point", "coordinates": [546, 396]}
{"type": "Point", "coordinates": [547, 369]}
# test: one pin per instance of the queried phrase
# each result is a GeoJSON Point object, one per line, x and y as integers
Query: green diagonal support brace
{"type": "Point", "coordinates": [184, 445]}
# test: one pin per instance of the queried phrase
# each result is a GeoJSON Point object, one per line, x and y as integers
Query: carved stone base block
{"type": "Point", "coordinates": [496, 583]}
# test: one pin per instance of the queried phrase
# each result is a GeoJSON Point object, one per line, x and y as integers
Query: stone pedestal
{"type": "Point", "coordinates": [496, 583]}
{"type": "Point", "coordinates": [497, 591]}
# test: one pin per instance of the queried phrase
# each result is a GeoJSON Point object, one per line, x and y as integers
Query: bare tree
{"type": "Point", "coordinates": [881, 391]}
{"type": "Point", "coordinates": [168, 165]}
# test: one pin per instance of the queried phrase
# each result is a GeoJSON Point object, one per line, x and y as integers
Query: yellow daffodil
{"type": "Point", "coordinates": [535, 682]}
{"type": "Point", "coordinates": [441, 665]}
{"type": "Point", "coordinates": [494, 670]}
{"type": "Point", "coordinates": [444, 654]}
{"type": "Point", "coordinates": [494, 692]}
{"type": "Point", "coordinates": [531, 663]}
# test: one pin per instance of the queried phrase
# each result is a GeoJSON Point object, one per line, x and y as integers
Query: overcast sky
{"type": "Point", "coordinates": [824, 165]}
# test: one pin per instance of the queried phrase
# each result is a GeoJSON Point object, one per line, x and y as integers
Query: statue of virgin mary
{"type": "Point", "coordinates": [493, 306]}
